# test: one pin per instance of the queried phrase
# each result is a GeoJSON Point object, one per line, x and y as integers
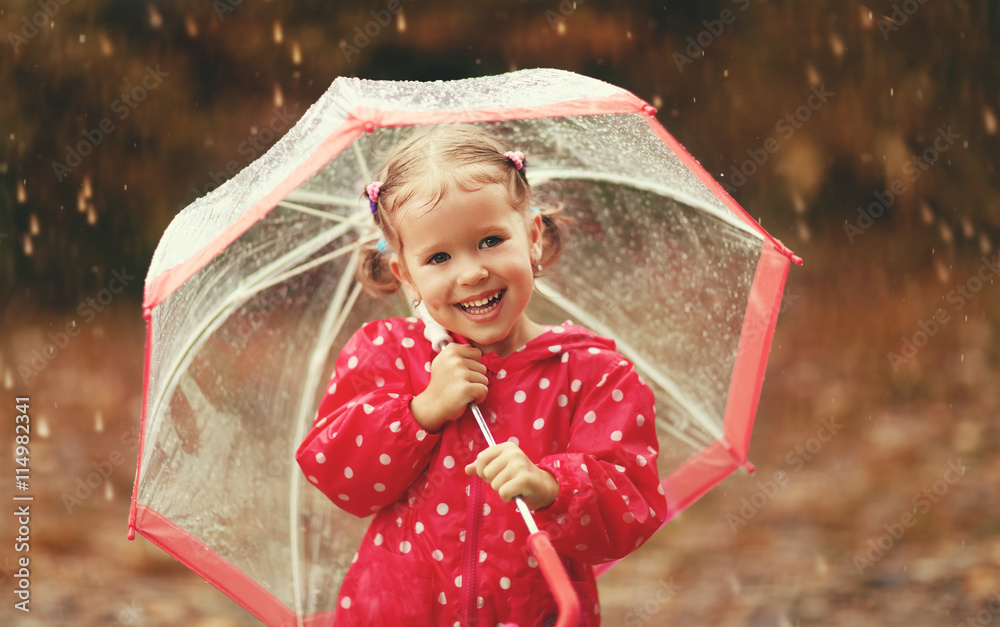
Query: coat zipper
{"type": "Point", "coordinates": [471, 557]}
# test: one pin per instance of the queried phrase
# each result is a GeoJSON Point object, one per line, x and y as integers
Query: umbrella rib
{"type": "Point", "coordinates": [333, 321]}
{"type": "Point", "coordinates": [313, 212]}
{"type": "Point", "coordinates": [540, 175]}
{"type": "Point", "coordinates": [547, 290]}
{"type": "Point", "coordinates": [302, 195]}
{"type": "Point", "coordinates": [365, 171]}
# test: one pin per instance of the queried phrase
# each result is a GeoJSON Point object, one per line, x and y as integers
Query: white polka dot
{"type": "Point", "coordinates": [563, 400]}
{"type": "Point", "coordinates": [320, 458]}
{"type": "Point", "coordinates": [519, 396]}
{"type": "Point", "coordinates": [584, 520]}
{"type": "Point", "coordinates": [639, 542]}
{"type": "Point", "coordinates": [659, 490]}
{"type": "Point", "coordinates": [378, 341]}
{"type": "Point", "coordinates": [508, 536]}
{"type": "Point", "coordinates": [555, 348]}
{"type": "Point", "coordinates": [558, 329]}
{"type": "Point", "coordinates": [312, 479]}
{"type": "Point", "coordinates": [482, 556]}
{"type": "Point", "coordinates": [352, 362]}
{"type": "Point", "coordinates": [396, 427]}
{"type": "Point", "coordinates": [421, 435]}
{"type": "Point", "coordinates": [505, 583]}
{"type": "Point", "coordinates": [442, 600]}
{"type": "Point", "coordinates": [437, 555]}
{"type": "Point", "coordinates": [539, 423]}
{"type": "Point", "coordinates": [601, 382]}
{"type": "Point", "coordinates": [581, 547]}
{"type": "Point", "coordinates": [616, 436]}
{"type": "Point", "coordinates": [333, 387]}
{"type": "Point", "coordinates": [449, 462]}
{"type": "Point", "coordinates": [388, 325]}
{"type": "Point", "coordinates": [589, 417]}
{"type": "Point", "coordinates": [486, 509]}
{"type": "Point", "coordinates": [458, 581]}
{"type": "Point", "coordinates": [379, 539]}
{"type": "Point", "coordinates": [368, 408]}
{"type": "Point", "coordinates": [442, 508]}
{"type": "Point", "coordinates": [628, 517]}
{"type": "Point", "coordinates": [385, 459]}
{"type": "Point", "coordinates": [565, 358]}
{"type": "Point", "coordinates": [348, 472]}
{"type": "Point", "coordinates": [321, 422]}
{"type": "Point", "coordinates": [617, 396]}
{"type": "Point", "coordinates": [576, 385]}
{"type": "Point", "coordinates": [544, 383]}
{"type": "Point", "coordinates": [405, 546]}
{"type": "Point", "coordinates": [408, 342]}
{"type": "Point", "coordinates": [584, 467]}
{"type": "Point", "coordinates": [513, 440]}
{"type": "Point", "coordinates": [611, 485]}
{"type": "Point", "coordinates": [501, 374]}
{"type": "Point", "coordinates": [461, 535]}
{"type": "Point", "coordinates": [640, 420]}
{"type": "Point", "coordinates": [479, 604]}
{"type": "Point", "coordinates": [427, 366]}
{"type": "Point", "coordinates": [619, 468]}
{"type": "Point", "coordinates": [343, 497]}
{"type": "Point", "coordinates": [345, 603]}
{"type": "Point", "coordinates": [639, 459]}
{"type": "Point", "coordinates": [379, 381]}
{"type": "Point", "coordinates": [399, 364]}
{"type": "Point", "coordinates": [358, 440]}
{"type": "Point", "coordinates": [594, 351]}
{"type": "Point", "coordinates": [532, 561]}
{"type": "Point", "coordinates": [419, 527]}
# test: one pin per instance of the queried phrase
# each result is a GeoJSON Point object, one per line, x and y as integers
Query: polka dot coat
{"type": "Point", "coordinates": [443, 548]}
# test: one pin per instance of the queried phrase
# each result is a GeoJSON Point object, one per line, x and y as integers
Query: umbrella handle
{"type": "Point", "coordinates": [557, 578]}
{"type": "Point", "coordinates": [539, 541]}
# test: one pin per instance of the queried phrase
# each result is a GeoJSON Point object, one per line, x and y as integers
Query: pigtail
{"type": "Point", "coordinates": [555, 234]}
{"type": "Point", "coordinates": [373, 271]}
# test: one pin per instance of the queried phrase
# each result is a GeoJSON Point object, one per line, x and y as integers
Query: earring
{"type": "Point", "coordinates": [416, 302]}
{"type": "Point", "coordinates": [538, 266]}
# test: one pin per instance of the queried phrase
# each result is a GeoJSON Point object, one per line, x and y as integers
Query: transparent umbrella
{"type": "Point", "coordinates": [251, 294]}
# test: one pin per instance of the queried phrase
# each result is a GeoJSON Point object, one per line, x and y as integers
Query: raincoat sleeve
{"type": "Point", "coordinates": [610, 500]}
{"type": "Point", "coordinates": [365, 448]}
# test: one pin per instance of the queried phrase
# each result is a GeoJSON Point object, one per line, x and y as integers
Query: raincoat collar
{"type": "Point", "coordinates": [555, 341]}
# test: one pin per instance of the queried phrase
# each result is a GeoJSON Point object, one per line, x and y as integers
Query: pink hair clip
{"type": "Point", "coordinates": [517, 158]}
{"type": "Point", "coordinates": [373, 191]}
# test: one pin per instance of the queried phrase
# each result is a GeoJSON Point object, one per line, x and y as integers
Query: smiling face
{"type": "Point", "coordinates": [470, 260]}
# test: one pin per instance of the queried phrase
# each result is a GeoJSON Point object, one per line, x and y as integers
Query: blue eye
{"type": "Point", "coordinates": [490, 242]}
{"type": "Point", "coordinates": [437, 258]}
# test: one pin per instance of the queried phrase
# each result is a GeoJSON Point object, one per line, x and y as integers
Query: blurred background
{"type": "Point", "coordinates": [861, 134]}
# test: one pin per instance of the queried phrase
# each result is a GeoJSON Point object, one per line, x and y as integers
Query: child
{"type": "Point", "coordinates": [394, 437]}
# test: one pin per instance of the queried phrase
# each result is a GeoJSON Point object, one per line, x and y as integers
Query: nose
{"type": "Point", "coordinates": [471, 272]}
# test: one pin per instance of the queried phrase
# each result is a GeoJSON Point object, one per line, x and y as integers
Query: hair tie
{"type": "Point", "coordinates": [517, 157]}
{"type": "Point", "coordinates": [383, 246]}
{"type": "Point", "coordinates": [373, 191]}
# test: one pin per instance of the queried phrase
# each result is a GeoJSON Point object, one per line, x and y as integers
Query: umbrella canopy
{"type": "Point", "coordinates": [251, 294]}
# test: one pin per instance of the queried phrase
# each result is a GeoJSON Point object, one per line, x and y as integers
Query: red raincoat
{"type": "Point", "coordinates": [443, 548]}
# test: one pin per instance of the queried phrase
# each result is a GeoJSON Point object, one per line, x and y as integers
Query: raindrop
{"type": "Point", "coordinates": [985, 246]}
{"type": "Point", "coordinates": [813, 75]}
{"type": "Point", "coordinates": [946, 233]}
{"type": "Point", "coordinates": [657, 101]}
{"type": "Point", "coordinates": [279, 98]}
{"type": "Point", "coordinates": [91, 214]}
{"type": "Point", "coordinates": [88, 191]}
{"type": "Point", "coordinates": [29, 248]}
{"type": "Point", "coordinates": [22, 193]}
{"type": "Point", "coordinates": [400, 22]}
{"type": "Point", "coordinates": [892, 92]}
{"type": "Point", "coordinates": [43, 427]}
{"type": "Point", "coordinates": [967, 229]}
{"type": "Point", "coordinates": [837, 45]}
{"type": "Point", "coordinates": [989, 121]}
{"type": "Point", "coordinates": [155, 19]}
{"type": "Point", "coordinates": [279, 35]}
{"type": "Point", "coordinates": [926, 213]}
{"type": "Point", "coordinates": [109, 494]}
{"type": "Point", "coordinates": [81, 201]}
{"type": "Point", "coordinates": [628, 35]}
{"type": "Point", "coordinates": [82, 38]}
{"type": "Point", "coordinates": [942, 271]}
{"type": "Point", "coordinates": [561, 28]}
{"type": "Point", "coordinates": [33, 225]}
{"type": "Point", "coordinates": [106, 48]}
{"type": "Point", "coordinates": [296, 53]}
{"type": "Point", "coordinates": [98, 422]}
{"type": "Point", "coordinates": [190, 26]}
{"type": "Point", "coordinates": [8, 379]}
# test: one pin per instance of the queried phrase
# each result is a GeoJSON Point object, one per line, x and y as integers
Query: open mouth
{"type": "Point", "coordinates": [482, 305]}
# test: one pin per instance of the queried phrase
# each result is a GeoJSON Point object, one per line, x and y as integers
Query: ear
{"type": "Point", "coordinates": [398, 269]}
{"type": "Point", "coordinates": [535, 230]}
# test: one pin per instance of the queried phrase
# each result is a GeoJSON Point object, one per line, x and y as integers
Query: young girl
{"type": "Point", "coordinates": [394, 437]}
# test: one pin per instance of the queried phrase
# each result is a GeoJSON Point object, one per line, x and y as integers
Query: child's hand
{"type": "Point", "coordinates": [457, 379]}
{"type": "Point", "coordinates": [510, 473]}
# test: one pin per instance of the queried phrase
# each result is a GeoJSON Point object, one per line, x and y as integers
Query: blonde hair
{"type": "Point", "coordinates": [423, 169]}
